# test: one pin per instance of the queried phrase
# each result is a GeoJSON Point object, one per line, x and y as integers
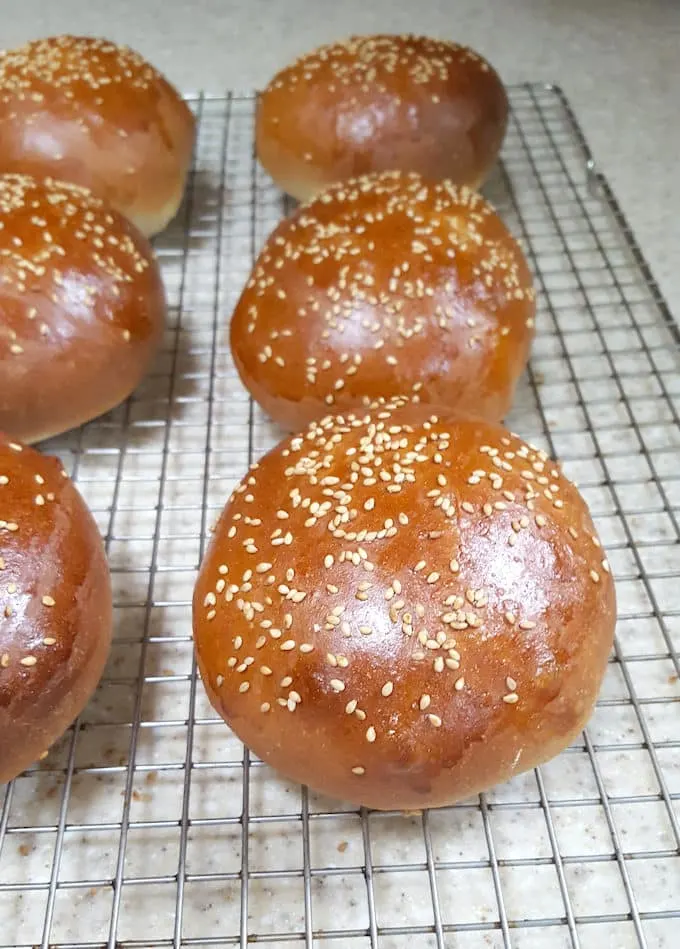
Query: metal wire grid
{"type": "Point", "coordinates": [150, 826]}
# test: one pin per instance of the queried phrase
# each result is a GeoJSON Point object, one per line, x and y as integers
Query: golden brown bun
{"type": "Point", "coordinates": [55, 605]}
{"type": "Point", "coordinates": [376, 103]}
{"type": "Point", "coordinates": [387, 285]}
{"type": "Point", "coordinates": [82, 307]}
{"type": "Point", "coordinates": [401, 609]}
{"type": "Point", "coordinates": [88, 111]}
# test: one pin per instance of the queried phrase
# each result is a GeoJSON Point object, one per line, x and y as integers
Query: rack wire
{"type": "Point", "coordinates": [149, 825]}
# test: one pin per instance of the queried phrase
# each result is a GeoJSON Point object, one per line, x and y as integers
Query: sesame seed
{"type": "Point", "coordinates": [511, 698]}
{"type": "Point", "coordinates": [337, 685]}
{"type": "Point", "coordinates": [48, 601]}
{"type": "Point", "coordinates": [435, 720]}
{"type": "Point", "coordinates": [358, 770]}
{"type": "Point", "coordinates": [387, 689]}
{"type": "Point", "coordinates": [28, 661]}
{"type": "Point", "coordinates": [370, 734]}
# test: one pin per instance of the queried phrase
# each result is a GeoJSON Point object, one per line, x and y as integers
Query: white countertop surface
{"type": "Point", "coordinates": [617, 60]}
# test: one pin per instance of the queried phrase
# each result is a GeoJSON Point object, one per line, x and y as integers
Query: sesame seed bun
{"type": "Point", "coordinates": [375, 103]}
{"type": "Point", "coordinates": [386, 285]}
{"type": "Point", "coordinates": [88, 111]}
{"type": "Point", "coordinates": [55, 605]}
{"type": "Point", "coordinates": [401, 609]}
{"type": "Point", "coordinates": [82, 307]}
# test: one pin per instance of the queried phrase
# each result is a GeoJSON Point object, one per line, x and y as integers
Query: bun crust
{"type": "Point", "coordinates": [88, 111]}
{"type": "Point", "coordinates": [387, 285]}
{"type": "Point", "coordinates": [401, 609]}
{"type": "Point", "coordinates": [82, 307]}
{"type": "Point", "coordinates": [378, 103]}
{"type": "Point", "coordinates": [55, 603]}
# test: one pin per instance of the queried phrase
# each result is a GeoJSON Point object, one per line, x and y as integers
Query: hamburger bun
{"type": "Point", "coordinates": [387, 285]}
{"type": "Point", "coordinates": [379, 103]}
{"type": "Point", "coordinates": [88, 111]}
{"type": "Point", "coordinates": [401, 608]}
{"type": "Point", "coordinates": [55, 604]}
{"type": "Point", "coordinates": [82, 307]}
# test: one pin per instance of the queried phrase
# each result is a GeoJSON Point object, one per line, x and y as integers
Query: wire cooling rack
{"type": "Point", "coordinates": [149, 826]}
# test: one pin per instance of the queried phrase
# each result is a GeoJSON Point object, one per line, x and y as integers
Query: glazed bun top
{"type": "Point", "coordinates": [401, 607]}
{"type": "Point", "coordinates": [55, 605]}
{"type": "Point", "coordinates": [377, 103]}
{"type": "Point", "coordinates": [383, 286]}
{"type": "Point", "coordinates": [82, 306]}
{"type": "Point", "coordinates": [88, 111]}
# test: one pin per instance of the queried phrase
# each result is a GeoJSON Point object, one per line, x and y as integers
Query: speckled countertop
{"type": "Point", "coordinates": [617, 60]}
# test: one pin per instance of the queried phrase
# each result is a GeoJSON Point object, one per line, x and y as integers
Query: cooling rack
{"type": "Point", "coordinates": [149, 825]}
